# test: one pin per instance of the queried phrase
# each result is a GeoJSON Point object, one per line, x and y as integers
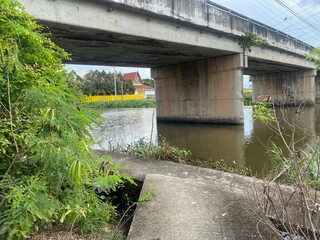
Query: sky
{"type": "Point", "coordinates": [297, 18]}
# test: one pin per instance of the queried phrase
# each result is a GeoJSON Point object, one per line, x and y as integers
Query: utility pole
{"type": "Point", "coordinates": [122, 89]}
{"type": "Point", "coordinates": [115, 83]}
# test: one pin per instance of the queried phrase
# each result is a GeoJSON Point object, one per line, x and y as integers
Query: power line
{"type": "Point", "coordinates": [278, 15]}
{"type": "Point", "coordinates": [297, 15]}
{"type": "Point", "coordinates": [307, 10]}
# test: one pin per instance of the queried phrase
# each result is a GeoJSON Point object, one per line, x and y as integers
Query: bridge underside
{"type": "Point", "coordinates": [97, 47]}
{"type": "Point", "coordinates": [193, 83]}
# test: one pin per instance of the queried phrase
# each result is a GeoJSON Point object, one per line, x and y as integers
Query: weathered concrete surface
{"type": "Point", "coordinates": [238, 191]}
{"type": "Point", "coordinates": [186, 209]}
{"type": "Point", "coordinates": [204, 91]}
{"type": "Point", "coordinates": [198, 35]}
{"type": "Point", "coordinates": [198, 203]}
{"type": "Point", "coordinates": [274, 87]}
{"type": "Point", "coordinates": [105, 32]}
{"type": "Point", "coordinates": [317, 87]}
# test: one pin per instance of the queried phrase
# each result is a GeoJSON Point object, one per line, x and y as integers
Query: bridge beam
{"type": "Point", "coordinates": [208, 91]}
{"type": "Point", "coordinates": [285, 87]}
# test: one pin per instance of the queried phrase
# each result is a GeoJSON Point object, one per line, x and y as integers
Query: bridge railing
{"type": "Point", "coordinates": [257, 23]}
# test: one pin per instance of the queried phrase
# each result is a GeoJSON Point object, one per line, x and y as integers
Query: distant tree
{"type": "Point", "coordinates": [102, 83]}
{"type": "Point", "coordinates": [149, 82]}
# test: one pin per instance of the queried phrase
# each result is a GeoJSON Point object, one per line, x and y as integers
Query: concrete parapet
{"type": "Point", "coordinates": [284, 88]}
{"type": "Point", "coordinates": [207, 91]}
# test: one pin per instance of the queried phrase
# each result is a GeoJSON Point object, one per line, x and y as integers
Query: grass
{"type": "Point", "coordinates": [164, 151]}
{"type": "Point", "coordinates": [136, 103]}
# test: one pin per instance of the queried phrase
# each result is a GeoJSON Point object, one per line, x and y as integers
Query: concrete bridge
{"type": "Point", "coordinates": [192, 47]}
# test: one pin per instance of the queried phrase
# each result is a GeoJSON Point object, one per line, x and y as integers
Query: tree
{"type": "Point", "coordinates": [47, 172]}
{"type": "Point", "coordinates": [101, 83]}
{"type": "Point", "coordinates": [149, 82]}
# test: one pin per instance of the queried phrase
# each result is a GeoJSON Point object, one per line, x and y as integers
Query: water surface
{"type": "Point", "coordinates": [246, 145]}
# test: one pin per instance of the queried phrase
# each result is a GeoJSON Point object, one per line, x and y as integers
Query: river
{"type": "Point", "coordinates": [244, 145]}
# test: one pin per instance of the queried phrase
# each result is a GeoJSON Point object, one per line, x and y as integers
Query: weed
{"type": "Point", "coordinates": [136, 103]}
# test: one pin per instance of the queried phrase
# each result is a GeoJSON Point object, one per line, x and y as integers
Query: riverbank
{"type": "Point", "coordinates": [134, 103]}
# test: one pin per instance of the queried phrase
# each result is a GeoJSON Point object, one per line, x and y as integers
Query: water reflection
{"type": "Point", "coordinates": [245, 144]}
{"type": "Point", "coordinates": [124, 126]}
{"type": "Point", "coordinates": [207, 140]}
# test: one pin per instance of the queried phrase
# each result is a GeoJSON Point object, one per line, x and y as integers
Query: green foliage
{"type": "Point", "coordinates": [308, 162]}
{"type": "Point", "coordinates": [247, 98]}
{"type": "Point", "coordinates": [97, 218]}
{"type": "Point", "coordinates": [250, 39]}
{"type": "Point", "coordinates": [315, 57]}
{"type": "Point", "coordinates": [149, 82]}
{"type": "Point", "coordinates": [97, 83]}
{"type": "Point", "coordinates": [220, 165]}
{"type": "Point", "coordinates": [160, 151]}
{"type": "Point", "coordinates": [47, 172]}
{"type": "Point", "coordinates": [247, 101]}
{"type": "Point", "coordinates": [264, 112]}
{"type": "Point", "coordinates": [149, 196]}
{"type": "Point", "coordinates": [247, 95]}
{"type": "Point", "coordinates": [163, 151]}
{"type": "Point", "coordinates": [135, 103]}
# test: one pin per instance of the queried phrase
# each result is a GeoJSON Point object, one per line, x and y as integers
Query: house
{"type": "Point", "coordinates": [137, 82]}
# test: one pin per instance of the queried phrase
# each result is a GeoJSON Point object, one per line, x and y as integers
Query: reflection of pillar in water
{"type": "Point", "coordinates": [207, 140]}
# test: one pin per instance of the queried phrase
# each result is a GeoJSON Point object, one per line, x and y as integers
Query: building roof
{"type": "Point", "coordinates": [133, 77]}
{"type": "Point", "coordinates": [143, 87]}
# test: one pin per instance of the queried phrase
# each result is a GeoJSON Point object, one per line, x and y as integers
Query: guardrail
{"type": "Point", "coordinates": [249, 20]}
{"type": "Point", "coordinates": [106, 98]}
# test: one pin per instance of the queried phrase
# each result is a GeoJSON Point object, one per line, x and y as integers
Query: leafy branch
{"type": "Point", "coordinates": [251, 39]}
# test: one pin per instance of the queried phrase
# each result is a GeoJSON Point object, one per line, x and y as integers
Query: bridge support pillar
{"type": "Point", "coordinates": [284, 88]}
{"type": "Point", "coordinates": [317, 88]}
{"type": "Point", "coordinates": [208, 91]}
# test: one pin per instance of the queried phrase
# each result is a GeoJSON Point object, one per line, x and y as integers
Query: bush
{"type": "Point", "coordinates": [47, 172]}
{"type": "Point", "coordinates": [160, 151]}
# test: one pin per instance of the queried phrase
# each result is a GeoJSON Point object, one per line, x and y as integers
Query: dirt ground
{"type": "Point", "coordinates": [62, 232]}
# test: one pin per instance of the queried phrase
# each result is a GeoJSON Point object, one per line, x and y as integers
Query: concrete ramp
{"type": "Point", "coordinates": [189, 209]}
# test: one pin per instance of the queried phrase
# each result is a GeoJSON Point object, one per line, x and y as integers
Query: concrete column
{"type": "Point", "coordinates": [317, 88]}
{"type": "Point", "coordinates": [275, 87]}
{"type": "Point", "coordinates": [208, 91]}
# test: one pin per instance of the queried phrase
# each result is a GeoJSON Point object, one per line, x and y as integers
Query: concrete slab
{"type": "Point", "coordinates": [198, 203]}
{"type": "Point", "coordinates": [138, 167]}
{"type": "Point", "coordinates": [188, 209]}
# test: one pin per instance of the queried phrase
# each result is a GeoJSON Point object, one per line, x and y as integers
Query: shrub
{"type": "Point", "coordinates": [47, 172]}
{"type": "Point", "coordinates": [160, 151]}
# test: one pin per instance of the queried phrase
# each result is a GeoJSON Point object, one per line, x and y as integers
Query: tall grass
{"type": "Point", "coordinates": [135, 103]}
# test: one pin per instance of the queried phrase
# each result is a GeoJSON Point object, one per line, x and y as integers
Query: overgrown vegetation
{"type": "Point", "coordinates": [161, 151]}
{"type": "Point", "coordinates": [136, 103]}
{"type": "Point", "coordinates": [164, 151]}
{"type": "Point", "coordinates": [249, 40]}
{"type": "Point", "coordinates": [47, 173]}
{"type": "Point", "coordinates": [300, 169]}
